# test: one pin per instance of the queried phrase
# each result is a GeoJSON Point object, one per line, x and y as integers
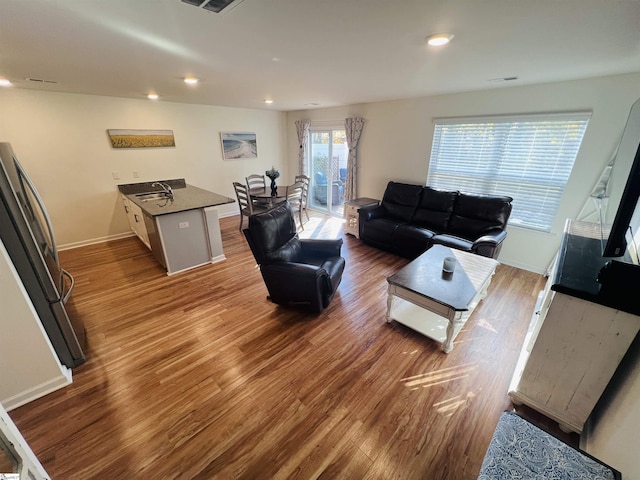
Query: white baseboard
{"type": "Point", "coordinates": [118, 236]}
{"type": "Point", "coordinates": [93, 241]}
{"type": "Point", "coordinates": [522, 266]}
{"type": "Point", "coordinates": [36, 392]}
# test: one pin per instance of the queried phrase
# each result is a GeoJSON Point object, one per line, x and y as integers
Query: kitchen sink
{"type": "Point", "coordinates": [151, 196]}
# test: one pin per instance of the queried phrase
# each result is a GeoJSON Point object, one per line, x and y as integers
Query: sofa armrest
{"type": "Point", "coordinates": [369, 213]}
{"type": "Point", "coordinates": [321, 248]}
{"type": "Point", "coordinates": [489, 245]}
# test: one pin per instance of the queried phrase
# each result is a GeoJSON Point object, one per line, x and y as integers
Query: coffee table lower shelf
{"type": "Point", "coordinates": [435, 303]}
{"type": "Point", "coordinates": [417, 313]}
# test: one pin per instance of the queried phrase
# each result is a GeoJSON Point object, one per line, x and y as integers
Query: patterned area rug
{"type": "Point", "coordinates": [520, 450]}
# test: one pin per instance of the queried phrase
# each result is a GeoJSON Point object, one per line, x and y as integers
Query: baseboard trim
{"type": "Point", "coordinates": [118, 236]}
{"type": "Point", "coordinates": [37, 391]}
{"type": "Point", "coordinates": [93, 241]}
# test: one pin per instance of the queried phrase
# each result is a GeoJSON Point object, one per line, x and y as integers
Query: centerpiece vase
{"type": "Point", "coordinates": [274, 188]}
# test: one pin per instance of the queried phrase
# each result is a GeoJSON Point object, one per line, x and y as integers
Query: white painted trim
{"type": "Point", "coordinates": [93, 241]}
{"type": "Point", "coordinates": [218, 258]}
{"type": "Point", "coordinates": [29, 465]}
{"type": "Point", "coordinates": [38, 391]}
{"type": "Point", "coordinates": [188, 268]}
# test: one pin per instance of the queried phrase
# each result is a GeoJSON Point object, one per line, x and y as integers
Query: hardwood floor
{"type": "Point", "coordinates": [198, 376]}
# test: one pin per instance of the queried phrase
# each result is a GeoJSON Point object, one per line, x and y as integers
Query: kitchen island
{"type": "Point", "coordinates": [181, 230]}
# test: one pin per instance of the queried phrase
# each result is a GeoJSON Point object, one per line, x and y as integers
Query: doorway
{"type": "Point", "coordinates": [328, 155]}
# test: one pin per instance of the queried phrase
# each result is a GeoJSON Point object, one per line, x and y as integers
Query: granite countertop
{"type": "Point", "coordinates": [185, 197]}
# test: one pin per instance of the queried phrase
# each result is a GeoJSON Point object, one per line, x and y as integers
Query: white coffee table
{"type": "Point", "coordinates": [434, 303]}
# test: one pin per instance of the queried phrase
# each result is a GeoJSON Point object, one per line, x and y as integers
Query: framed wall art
{"type": "Point", "coordinates": [141, 138]}
{"type": "Point", "coordinates": [238, 145]}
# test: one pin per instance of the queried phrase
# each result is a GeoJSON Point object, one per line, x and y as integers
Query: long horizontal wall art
{"type": "Point", "coordinates": [238, 145]}
{"type": "Point", "coordinates": [141, 138]}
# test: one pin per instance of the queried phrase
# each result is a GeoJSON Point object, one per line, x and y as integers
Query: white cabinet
{"type": "Point", "coordinates": [572, 349]}
{"type": "Point", "coordinates": [136, 220]}
{"type": "Point", "coordinates": [351, 208]}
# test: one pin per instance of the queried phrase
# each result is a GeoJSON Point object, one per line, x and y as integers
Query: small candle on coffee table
{"type": "Point", "coordinates": [449, 264]}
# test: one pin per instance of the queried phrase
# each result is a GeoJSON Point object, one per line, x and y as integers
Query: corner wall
{"type": "Point", "coordinates": [396, 143]}
{"type": "Point", "coordinates": [29, 367]}
{"type": "Point", "coordinates": [61, 140]}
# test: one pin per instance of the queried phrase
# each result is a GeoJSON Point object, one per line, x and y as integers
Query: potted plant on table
{"type": "Point", "coordinates": [273, 174]}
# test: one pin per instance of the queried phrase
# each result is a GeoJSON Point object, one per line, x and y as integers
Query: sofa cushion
{"type": "Point", "coordinates": [434, 209]}
{"type": "Point", "coordinates": [475, 215]}
{"type": "Point", "coordinates": [400, 200]}
{"type": "Point", "coordinates": [379, 231]}
{"type": "Point", "coordinates": [411, 240]}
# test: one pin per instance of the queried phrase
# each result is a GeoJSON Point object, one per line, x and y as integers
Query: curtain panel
{"type": "Point", "coordinates": [302, 128]}
{"type": "Point", "coordinates": [353, 127]}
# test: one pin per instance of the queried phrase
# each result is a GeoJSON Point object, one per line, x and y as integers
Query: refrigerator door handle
{"type": "Point", "coordinates": [36, 195]}
{"type": "Point", "coordinates": [72, 284]}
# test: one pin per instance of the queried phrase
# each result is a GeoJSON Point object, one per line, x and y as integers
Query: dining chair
{"type": "Point", "coordinates": [305, 193]}
{"type": "Point", "coordinates": [247, 207]}
{"type": "Point", "coordinates": [294, 197]}
{"type": "Point", "coordinates": [256, 181]}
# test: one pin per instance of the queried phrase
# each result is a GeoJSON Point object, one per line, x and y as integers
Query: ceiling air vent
{"type": "Point", "coordinates": [216, 6]}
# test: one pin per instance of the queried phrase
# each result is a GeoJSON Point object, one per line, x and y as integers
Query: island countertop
{"type": "Point", "coordinates": [185, 197]}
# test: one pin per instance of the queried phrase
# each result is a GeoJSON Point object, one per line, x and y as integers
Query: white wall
{"type": "Point", "coordinates": [396, 142]}
{"type": "Point", "coordinates": [613, 437]}
{"type": "Point", "coordinates": [61, 140]}
{"type": "Point", "coordinates": [29, 367]}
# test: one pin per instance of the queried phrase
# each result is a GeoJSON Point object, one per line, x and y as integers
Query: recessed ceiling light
{"type": "Point", "coordinates": [4, 82]}
{"type": "Point", "coordinates": [191, 80]}
{"type": "Point", "coordinates": [503, 79]}
{"type": "Point", "coordinates": [152, 96]}
{"type": "Point", "coordinates": [268, 101]}
{"type": "Point", "coordinates": [39, 80]}
{"type": "Point", "coordinates": [439, 39]}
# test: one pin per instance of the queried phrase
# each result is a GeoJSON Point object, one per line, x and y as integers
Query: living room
{"type": "Point", "coordinates": [61, 140]}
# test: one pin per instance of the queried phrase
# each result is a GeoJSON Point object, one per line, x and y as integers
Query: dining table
{"type": "Point", "coordinates": [263, 196]}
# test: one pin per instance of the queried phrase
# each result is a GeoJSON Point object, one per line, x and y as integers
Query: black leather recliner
{"type": "Point", "coordinates": [296, 271]}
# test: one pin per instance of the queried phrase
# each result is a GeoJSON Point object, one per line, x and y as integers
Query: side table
{"type": "Point", "coordinates": [351, 208]}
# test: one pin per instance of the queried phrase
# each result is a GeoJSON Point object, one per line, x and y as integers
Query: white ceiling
{"type": "Point", "coordinates": [297, 52]}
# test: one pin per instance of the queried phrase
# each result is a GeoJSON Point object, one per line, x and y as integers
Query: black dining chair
{"type": "Point", "coordinates": [247, 207]}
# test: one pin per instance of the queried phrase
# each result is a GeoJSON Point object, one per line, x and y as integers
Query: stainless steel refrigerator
{"type": "Point", "coordinates": [27, 234]}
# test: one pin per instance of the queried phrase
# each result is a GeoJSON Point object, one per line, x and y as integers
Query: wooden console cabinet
{"type": "Point", "coordinates": [572, 349]}
{"type": "Point", "coordinates": [351, 208]}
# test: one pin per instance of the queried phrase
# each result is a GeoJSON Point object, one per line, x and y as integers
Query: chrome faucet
{"type": "Point", "coordinates": [165, 187]}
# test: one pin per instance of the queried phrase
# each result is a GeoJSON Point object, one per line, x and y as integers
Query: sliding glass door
{"type": "Point", "coordinates": [328, 155]}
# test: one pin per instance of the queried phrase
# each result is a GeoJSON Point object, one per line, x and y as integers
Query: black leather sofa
{"type": "Point", "coordinates": [412, 218]}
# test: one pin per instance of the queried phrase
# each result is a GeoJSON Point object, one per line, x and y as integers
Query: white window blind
{"type": "Point", "coordinates": [528, 158]}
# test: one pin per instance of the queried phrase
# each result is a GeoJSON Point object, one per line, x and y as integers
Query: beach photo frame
{"type": "Point", "coordinates": [237, 145]}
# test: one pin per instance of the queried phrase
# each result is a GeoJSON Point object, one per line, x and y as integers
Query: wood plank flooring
{"type": "Point", "coordinates": [198, 376]}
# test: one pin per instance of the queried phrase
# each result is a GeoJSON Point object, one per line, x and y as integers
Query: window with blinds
{"type": "Point", "coordinates": [527, 157]}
